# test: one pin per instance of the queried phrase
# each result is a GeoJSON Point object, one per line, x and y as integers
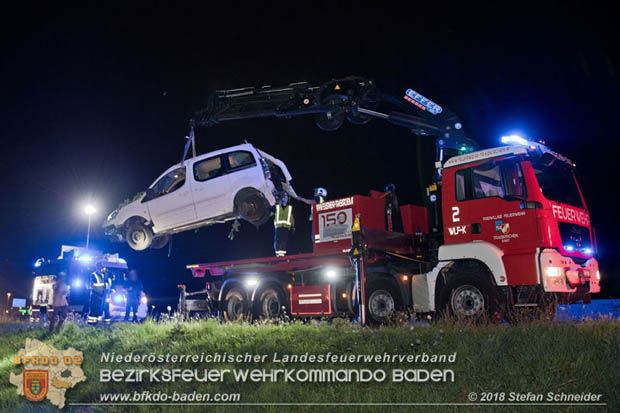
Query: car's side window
{"type": "Point", "coordinates": [240, 160]}
{"type": "Point", "coordinates": [168, 183]}
{"type": "Point", "coordinates": [208, 169]}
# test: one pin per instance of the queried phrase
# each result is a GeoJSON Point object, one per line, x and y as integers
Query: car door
{"type": "Point", "coordinates": [498, 210]}
{"type": "Point", "coordinates": [170, 201]}
{"type": "Point", "coordinates": [211, 187]}
{"type": "Point", "coordinates": [243, 171]}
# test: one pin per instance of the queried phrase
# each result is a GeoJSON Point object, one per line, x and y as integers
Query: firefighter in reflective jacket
{"type": "Point", "coordinates": [97, 286]}
{"type": "Point", "coordinates": [284, 223]}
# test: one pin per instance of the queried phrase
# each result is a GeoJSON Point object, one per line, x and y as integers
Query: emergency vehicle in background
{"type": "Point", "coordinates": [78, 263]}
{"type": "Point", "coordinates": [501, 229]}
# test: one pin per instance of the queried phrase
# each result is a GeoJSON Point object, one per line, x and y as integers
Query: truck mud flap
{"type": "Point", "coordinates": [311, 300]}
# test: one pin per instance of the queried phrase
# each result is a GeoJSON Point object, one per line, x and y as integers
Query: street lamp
{"type": "Point", "coordinates": [89, 210]}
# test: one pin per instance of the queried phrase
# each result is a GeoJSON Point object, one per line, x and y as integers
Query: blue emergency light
{"type": "Point", "coordinates": [514, 140]}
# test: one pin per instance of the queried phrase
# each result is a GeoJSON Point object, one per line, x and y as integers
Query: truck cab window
{"type": "Point", "coordinates": [208, 169]}
{"type": "Point", "coordinates": [240, 160]}
{"type": "Point", "coordinates": [459, 180]}
{"type": "Point", "coordinates": [487, 180]}
{"type": "Point", "coordinates": [557, 181]}
{"type": "Point", "coordinates": [168, 183]}
{"type": "Point", "coordinates": [513, 179]}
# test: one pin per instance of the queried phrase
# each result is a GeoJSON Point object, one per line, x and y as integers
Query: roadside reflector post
{"type": "Point", "coordinates": [182, 298]}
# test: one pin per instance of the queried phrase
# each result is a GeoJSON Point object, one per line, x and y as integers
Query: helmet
{"type": "Point", "coordinates": [320, 191]}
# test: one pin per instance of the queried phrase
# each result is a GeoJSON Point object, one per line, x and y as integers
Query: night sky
{"type": "Point", "coordinates": [95, 105]}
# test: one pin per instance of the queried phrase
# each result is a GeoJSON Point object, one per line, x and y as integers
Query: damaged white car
{"type": "Point", "coordinates": [236, 182]}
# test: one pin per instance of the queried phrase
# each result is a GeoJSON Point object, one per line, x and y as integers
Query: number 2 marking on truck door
{"type": "Point", "coordinates": [455, 214]}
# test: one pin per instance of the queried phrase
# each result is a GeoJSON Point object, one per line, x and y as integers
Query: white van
{"type": "Point", "coordinates": [236, 182]}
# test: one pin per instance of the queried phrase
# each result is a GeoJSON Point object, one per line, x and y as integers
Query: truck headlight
{"type": "Point", "coordinates": [118, 299]}
{"type": "Point", "coordinates": [331, 273]}
{"type": "Point", "coordinates": [251, 282]}
{"type": "Point", "coordinates": [554, 272]}
{"type": "Point", "coordinates": [112, 215]}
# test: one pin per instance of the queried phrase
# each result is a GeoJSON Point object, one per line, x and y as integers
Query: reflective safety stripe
{"type": "Point", "coordinates": [283, 216]}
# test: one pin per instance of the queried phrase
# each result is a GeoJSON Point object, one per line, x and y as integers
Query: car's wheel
{"type": "Point", "coordinates": [235, 306]}
{"type": "Point", "coordinates": [470, 297]}
{"type": "Point", "coordinates": [252, 206]}
{"type": "Point", "coordinates": [160, 242]}
{"type": "Point", "coordinates": [139, 236]}
{"type": "Point", "coordinates": [380, 303]}
{"type": "Point", "coordinates": [271, 304]}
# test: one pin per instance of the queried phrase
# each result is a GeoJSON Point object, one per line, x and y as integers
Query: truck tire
{"type": "Point", "coordinates": [252, 206]}
{"type": "Point", "coordinates": [470, 297]}
{"type": "Point", "coordinates": [272, 304]}
{"type": "Point", "coordinates": [139, 236]}
{"type": "Point", "coordinates": [381, 303]}
{"type": "Point", "coordinates": [235, 305]}
{"type": "Point", "coordinates": [160, 242]}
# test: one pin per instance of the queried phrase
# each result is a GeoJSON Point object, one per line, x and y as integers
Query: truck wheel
{"type": "Point", "coordinates": [470, 298]}
{"type": "Point", "coordinates": [235, 305]}
{"type": "Point", "coordinates": [252, 206]}
{"type": "Point", "coordinates": [271, 302]}
{"type": "Point", "coordinates": [139, 236]}
{"type": "Point", "coordinates": [380, 303]}
{"type": "Point", "coordinates": [160, 242]}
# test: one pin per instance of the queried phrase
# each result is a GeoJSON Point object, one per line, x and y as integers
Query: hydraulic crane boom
{"type": "Point", "coordinates": [353, 98]}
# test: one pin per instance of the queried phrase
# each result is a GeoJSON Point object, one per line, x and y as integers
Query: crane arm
{"type": "Point", "coordinates": [353, 98]}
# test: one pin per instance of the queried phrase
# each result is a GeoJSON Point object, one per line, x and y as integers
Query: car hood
{"type": "Point", "coordinates": [119, 214]}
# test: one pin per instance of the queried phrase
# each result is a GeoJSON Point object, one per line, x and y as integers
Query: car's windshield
{"type": "Point", "coordinates": [557, 181]}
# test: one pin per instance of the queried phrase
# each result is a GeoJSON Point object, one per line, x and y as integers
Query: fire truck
{"type": "Point", "coordinates": [78, 263]}
{"type": "Point", "coordinates": [502, 230]}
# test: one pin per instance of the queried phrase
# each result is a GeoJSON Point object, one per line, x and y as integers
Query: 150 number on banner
{"type": "Point", "coordinates": [335, 225]}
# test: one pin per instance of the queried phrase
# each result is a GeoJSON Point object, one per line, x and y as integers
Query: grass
{"type": "Point", "coordinates": [537, 357]}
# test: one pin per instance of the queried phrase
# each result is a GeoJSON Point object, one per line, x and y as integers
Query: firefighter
{"type": "Point", "coordinates": [319, 196]}
{"type": "Point", "coordinates": [284, 223]}
{"type": "Point", "coordinates": [134, 289]}
{"type": "Point", "coordinates": [61, 305]}
{"type": "Point", "coordinates": [97, 287]}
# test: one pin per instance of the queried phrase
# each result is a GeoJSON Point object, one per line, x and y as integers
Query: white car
{"type": "Point", "coordinates": [236, 182]}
